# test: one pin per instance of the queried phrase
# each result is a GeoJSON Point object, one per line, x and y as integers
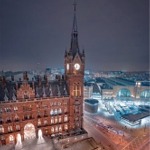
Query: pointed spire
{"type": "Point", "coordinates": [74, 48]}
{"type": "Point", "coordinates": [74, 19]}
{"type": "Point", "coordinates": [6, 97]}
{"type": "Point", "coordinates": [14, 97]}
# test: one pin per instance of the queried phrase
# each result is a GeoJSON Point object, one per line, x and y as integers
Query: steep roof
{"type": "Point", "coordinates": [41, 89]}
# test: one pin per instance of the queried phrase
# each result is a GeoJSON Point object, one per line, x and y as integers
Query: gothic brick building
{"type": "Point", "coordinates": [55, 107]}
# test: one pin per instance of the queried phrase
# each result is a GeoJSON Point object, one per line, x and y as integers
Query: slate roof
{"type": "Point", "coordinates": [7, 91]}
{"type": "Point", "coordinates": [43, 88]}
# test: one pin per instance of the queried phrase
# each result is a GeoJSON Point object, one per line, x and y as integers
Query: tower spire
{"type": "Point", "coordinates": [74, 48]}
{"type": "Point", "coordinates": [74, 19]}
{"type": "Point", "coordinates": [75, 4]}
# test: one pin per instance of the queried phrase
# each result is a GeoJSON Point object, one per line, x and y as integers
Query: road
{"type": "Point", "coordinates": [146, 147]}
{"type": "Point", "coordinates": [98, 136]}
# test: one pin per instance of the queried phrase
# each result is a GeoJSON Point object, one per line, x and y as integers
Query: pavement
{"type": "Point", "coordinates": [54, 144]}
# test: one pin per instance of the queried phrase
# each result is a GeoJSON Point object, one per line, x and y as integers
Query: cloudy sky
{"type": "Point", "coordinates": [35, 33]}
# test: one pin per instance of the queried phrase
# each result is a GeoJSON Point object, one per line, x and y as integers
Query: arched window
{"type": "Point", "coordinates": [10, 129]}
{"type": "Point", "coordinates": [16, 118]}
{"type": "Point", "coordinates": [1, 129]}
{"type": "Point", "coordinates": [39, 122]}
{"type": "Point", "coordinates": [45, 114]}
{"type": "Point", "coordinates": [9, 119]}
{"type": "Point", "coordinates": [56, 129]}
{"type": "Point", "coordinates": [76, 109]}
{"type": "Point", "coordinates": [51, 104]}
{"type": "Point", "coordinates": [124, 93]}
{"type": "Point", "coordinates": [51, 112]}
{"type": "Point", "coordinates": [52, 120]}
{"type": "Point", "coordinates": [55, 111]}
{"type": "Point", "coordinates": [65, 118]}
{"type": "Point", "coordinates": [66, 127]}
{"type": "Point", "coordinates": [59, 111]}
{"type": "Point", "coordinates": [76, 118]}
{"type": "Point", "coordinates": [59, 103]}
{"type": "Point", "coordinates": [39, 114]}
{"type": "Point", "coordinates": [60, 128]}
{"type": "Point", "coordinates": [17, 127]}
{"type": "Point", "coordinates": [8, 109]}
{"type": "Point", "coordinates": [65, 110]}
{"type": "Point", "coordinates": [45, 122]}
{"type": "Point", "coordinates": [52, 129]}
{"type": "Point", "coordinates": [77, 124]}
{"type": "Point", "coordinates": [15, 108]}
{"type": "Point", "coordinates": [56, 120]}
{"type": "Point", "coordinates": [11, 138]}
{"type": "Point", "coordinates": [145, 94]}
{"type": "Point", "coordinates": [59, 119]}
{"type": "Point", "coordinates": [1, 121]}
{"type": "Point", "coordinates": [76, 89]}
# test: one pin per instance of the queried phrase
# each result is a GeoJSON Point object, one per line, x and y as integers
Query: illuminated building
{"type": "Point", "coordinates": [91, 105]}
{"type": "Point", "coordinates": [51, 107]}
{"type": "Point", "coordinates": [88, 90]}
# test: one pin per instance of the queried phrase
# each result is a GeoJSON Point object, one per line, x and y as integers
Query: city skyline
{"type": "Point", "coordinates": [114, 34]}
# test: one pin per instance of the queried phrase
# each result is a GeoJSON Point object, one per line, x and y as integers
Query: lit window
{"type": "Point", "coordinates": [66, 127]}
{"type": "Point", "coordinates": [60, 128]}
{"type": "Point", "coordinates": [65, 110]}
{"type": "Point", "coordinates": [76, 109]}
{"type": "Point", "coordinates": [17, 127]}
{"type": "Point", "coordinates": [39, 114]}
{"type": "Point", "coordinates": [52, 120]}
{"type": "Point", "coordinates": [51, 112]}
{"type": "Point", "coordinates": [56, 129]}
{"type": "Point", "coordinates": [77, 118]}
{"type": "Point", "coordinates": [10, 129]}
{"type": "Point", "coordinates": [55, 111]}
{"type": "Point", "coordinates": [59, 103]}
{"type": "Point", "coordinates": [11, 138]}
{"type": "Point", "coordinates": [2, 138]}
{"type": "Point", "coordinates": [59, 119]}
{"type": "Point", "coordinates": [45, 122]}
{"type": "Point", "coordinates": [51, 104]}
{"type": "Point", "coordinates": [77, 90]}
{"type": "Point", "coordinates": [16, 118]}
{"type": "Point", "coordinates": [52, 129]}
{"type": "Point", "coordinates": [65, 118]}
{"type": "Point", "coordinates": [56, 119]}
{"type": "Point", "coordinates": [59, 111]}
{"type": "Point", "coordinates": [1, 129]}
{"type": "Point", "coordinates": [77, 124]}
{"type": "Point", "coordinates": [39, 122]}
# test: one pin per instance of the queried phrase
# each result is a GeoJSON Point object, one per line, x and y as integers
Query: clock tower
{"type": "Point", "coordinates": [74, 72]}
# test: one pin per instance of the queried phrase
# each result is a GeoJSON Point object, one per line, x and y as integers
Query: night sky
{"type": "Point", "coordinates": [35, 33]}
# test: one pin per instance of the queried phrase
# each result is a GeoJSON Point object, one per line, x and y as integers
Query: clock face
{"type": "Point", "coordinates": [77, 66]}
{"type": "Point", "coordinates": [67, 66]}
